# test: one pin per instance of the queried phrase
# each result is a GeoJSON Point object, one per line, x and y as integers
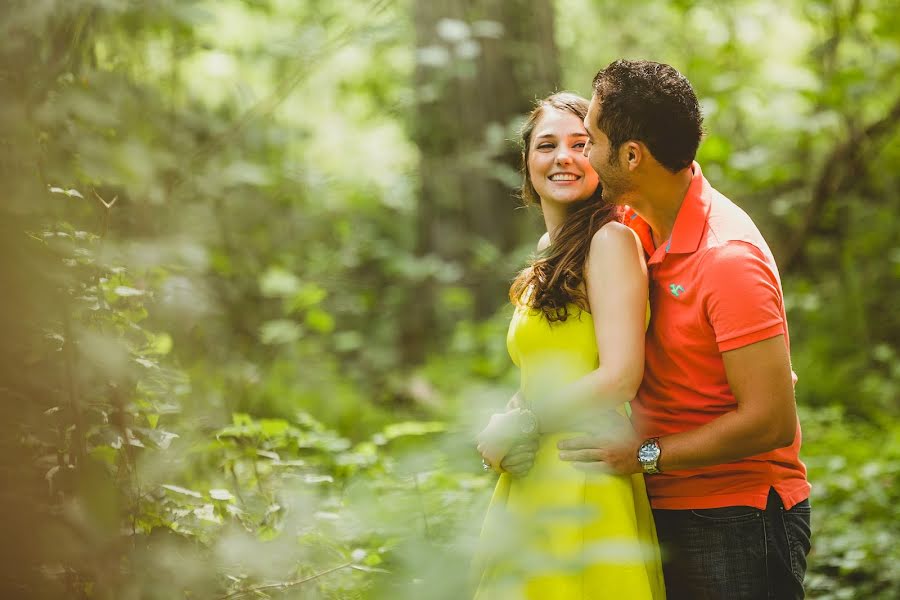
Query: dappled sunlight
{"type": "Point", "coordinates": [254, 261]}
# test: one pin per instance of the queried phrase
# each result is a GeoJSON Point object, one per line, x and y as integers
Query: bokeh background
{"type": "Point", "coordinates": [254, 257]}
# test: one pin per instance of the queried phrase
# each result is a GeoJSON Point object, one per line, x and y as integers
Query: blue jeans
{"type": "Point", "coordinates": [736, 552]}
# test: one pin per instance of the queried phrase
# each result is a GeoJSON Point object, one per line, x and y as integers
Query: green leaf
{"type": "Point", "coordinates": [146, 362]}
{"type": "Point", "coordinates": [207, 512]}
{"type": "Point", "coordinates": [221, 494]}
{"type": "Point", "coordinates": [278, 283]}
{"type": "Point", "coordinates": [239, 418]}
{"type": "Point", "coordinates": [280, 331]}
{"type": "Point", "coordinates": [126, 291]}
{"type": "Point", "coordinates": [180, 490]}
{"type": "Point", "coordinates": [105, 454]}
{"type": "Point", "coordinates": [162, 439]}
{"type": "Point", "coordinates": [368, 569]}
{"type": "Point", "coordinates": [307, 296]}
{"type": "Point", "coordinates": [273, 427]}
{"type": "Point", "coordinates": [312, 478]}
{"type": "Point", "coordinates": [396, 430]}
{"type": "Point", "coordinates": [347, 341]}
{"type": "Point", "coordinates": [161, 344]}
{"type": "Point", "coordinates": [72, 193]}
{"type": "Point", "coordinates": [319, 320]}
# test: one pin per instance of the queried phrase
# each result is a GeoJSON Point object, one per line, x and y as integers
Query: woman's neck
{"type": "Point", "coordinates": [554, 216]}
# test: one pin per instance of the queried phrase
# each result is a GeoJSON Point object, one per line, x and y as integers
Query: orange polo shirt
{"type": "Point", "coordinates": [714, 287]}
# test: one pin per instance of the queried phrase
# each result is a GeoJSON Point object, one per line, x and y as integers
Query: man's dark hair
{"type": "Point", "coordinates": [652, 103]}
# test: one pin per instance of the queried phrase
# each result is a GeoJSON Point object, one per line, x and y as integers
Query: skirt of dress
{"type": "Point", "coordinates": [562, 534]}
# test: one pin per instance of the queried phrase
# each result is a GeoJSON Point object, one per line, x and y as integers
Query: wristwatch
{"type": "Point", "coordinates": [648, 456]}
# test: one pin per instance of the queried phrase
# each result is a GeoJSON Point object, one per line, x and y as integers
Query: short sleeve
{"type": "Point", "coordinates": [742, 295]}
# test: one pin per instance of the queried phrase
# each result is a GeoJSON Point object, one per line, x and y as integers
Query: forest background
{"type": "Point", "coordinates": [254, 259]}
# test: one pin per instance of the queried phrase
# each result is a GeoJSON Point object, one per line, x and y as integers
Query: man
{"type": "Point", "coordinates": [717, 429]}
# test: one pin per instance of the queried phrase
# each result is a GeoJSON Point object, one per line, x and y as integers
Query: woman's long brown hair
{"type": "Point", "coordinates": [553, 280]}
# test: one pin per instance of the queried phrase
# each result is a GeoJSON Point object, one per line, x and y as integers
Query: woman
{"type": "Point", "coordinates": [577, 335]}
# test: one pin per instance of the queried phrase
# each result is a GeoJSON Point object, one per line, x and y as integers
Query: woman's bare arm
{"type": "Point", "coordinates": [616, 283]}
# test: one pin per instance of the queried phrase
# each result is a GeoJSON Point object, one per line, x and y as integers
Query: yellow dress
{"type": "Point", "coordinates": [560, 533]}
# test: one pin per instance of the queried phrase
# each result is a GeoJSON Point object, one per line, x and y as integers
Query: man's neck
{"type": "Point", "coordinates": [660, 203]}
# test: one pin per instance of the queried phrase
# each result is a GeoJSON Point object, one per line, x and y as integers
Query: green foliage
{"type": "Point", "coordinates": [855, 470]}
{"type": "Point", "coordinates": [209, 260]}
{"type": "Point", "coordinates": [802, 113]}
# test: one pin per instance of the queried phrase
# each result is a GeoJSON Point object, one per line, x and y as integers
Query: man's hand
{"type": "Point", "coordinates": [602, 454]}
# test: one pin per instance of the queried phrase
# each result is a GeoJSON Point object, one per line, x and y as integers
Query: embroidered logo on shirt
{"type": "Point", "coordinates": [676, 289]}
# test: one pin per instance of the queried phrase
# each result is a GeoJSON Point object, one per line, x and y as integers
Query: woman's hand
{"type": "Point", "coordinates": [503, 434]}
{"type": "Point", "coordinates": [520, 458]}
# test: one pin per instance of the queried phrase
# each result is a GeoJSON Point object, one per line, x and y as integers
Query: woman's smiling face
{"type": "Point", "coordinates": [558, 169]}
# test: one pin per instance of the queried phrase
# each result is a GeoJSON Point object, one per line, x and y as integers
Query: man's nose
{"type": "Point", "coordinates": [586, 150]}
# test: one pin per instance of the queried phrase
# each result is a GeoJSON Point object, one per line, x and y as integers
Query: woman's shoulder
{"type": "Point", "coordinates": [544, 242]}
{"type": "Point", "coordinates": [615, 248]}
{"type": "Point", "coordinates": [614, 237]}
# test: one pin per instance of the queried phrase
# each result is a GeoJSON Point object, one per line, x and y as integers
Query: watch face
{"type": "Point", "coordinates": [648, 453]}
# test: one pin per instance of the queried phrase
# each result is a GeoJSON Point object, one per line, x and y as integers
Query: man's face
{"type": "Point", "coordinates": [615, 179]}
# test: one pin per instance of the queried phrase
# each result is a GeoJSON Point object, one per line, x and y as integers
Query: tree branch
{"type": "Point", "coordinates": [283, 585]}
{"type": "Point", "coordinates": [830, 180]}
{"type": "Point", "coordinates": [267, 105]}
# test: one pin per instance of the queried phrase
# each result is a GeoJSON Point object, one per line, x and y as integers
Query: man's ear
{"type": "Point", "coordinates": [633, 153]}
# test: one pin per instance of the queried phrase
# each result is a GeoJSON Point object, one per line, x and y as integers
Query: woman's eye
{"type": "Point", "coordinates": [580, 145]}
{"type": "Point", "coordinates": [545, 147]}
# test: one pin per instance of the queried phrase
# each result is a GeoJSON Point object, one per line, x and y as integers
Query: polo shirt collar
{"type": "Point", "coordinates": [692, 216]}
{"type": "Point", "coordinates": [689, 223]}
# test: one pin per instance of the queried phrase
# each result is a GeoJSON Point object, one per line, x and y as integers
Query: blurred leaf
{"type": "Point", "coordinates": [280, 331]}
{"type": "Point", "coordinates": [161, 343]}
{"type": "Point", "coordinates": [320, 321]}
{"type": "Point", "coordinates": [126, 291]}
{"type": "Point", "coordinates": [70, 192]}
{"type": "Point", "coordinates": [278, 283]}
{"type": "Point", "coordinates": [412, 428]}
{"type": "Point", "coordinates": [181, 490]}
{"type": "Point", "coordinates": [220, 494]}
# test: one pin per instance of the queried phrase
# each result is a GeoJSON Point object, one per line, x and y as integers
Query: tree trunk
{"type": "Point", "coordinates": [481, 64]}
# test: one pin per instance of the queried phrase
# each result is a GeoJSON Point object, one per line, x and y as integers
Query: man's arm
{"type": "Point", "coordinates": [765, 419]}
{"type": "Point", "coordinates": [743, 301]}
